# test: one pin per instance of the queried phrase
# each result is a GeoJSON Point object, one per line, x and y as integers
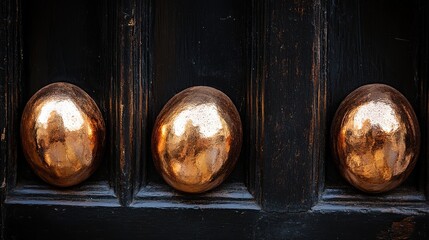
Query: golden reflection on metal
{"type": "Point", "coordinates": [197, 139]}
{"type": "Point", "coordinates": [375, 138]}
{"type": "Point", "coordinates": [62, 134]}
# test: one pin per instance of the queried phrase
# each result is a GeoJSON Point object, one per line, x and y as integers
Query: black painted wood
{"type": "Point", "coordinates": [285, 64]}
{"type": "Point", "coordinates": [62, 41]}
{"type": "Point", "coordinates": [10, 83]}
{"type": "Point", "coordinates": [378, 42]}
{"type": "Point", "coordinates": [290, 95]}
{"type": "Point", "coordinates": [374, 43]}
{"type": "Point", "coordinates": [200, 43]}
{"type": "Point", "coordinates": [10, 89]}
{"type": "Point", "coordinates": [423, 71]}
{"type": "Point", "coordinates": [128, 83]}
{"type": "Point", "coordinates": [324, 222]}
{"type": "Point", "coordinates": [366, 30]}
{"type": "Point", "coordinates": [254, 103]}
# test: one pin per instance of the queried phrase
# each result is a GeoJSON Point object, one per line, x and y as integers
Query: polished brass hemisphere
{"type": "Point", "coordinates": [375, 138]}
{"type": "Point", "coordinates": [62, 134]}
{"type": "Point", "coordinates": [196, 139]}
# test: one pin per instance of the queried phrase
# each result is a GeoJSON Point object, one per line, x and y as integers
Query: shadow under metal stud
{"type": "Point", "coordinates": [196, 140]}
{"type": "Point", "coordinates": [375, 138]}
{"type": "Point", "coordinates": [62, 134]}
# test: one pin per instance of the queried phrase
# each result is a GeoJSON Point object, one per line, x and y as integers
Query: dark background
{"type": "Point", "coordinates": [286, 65]}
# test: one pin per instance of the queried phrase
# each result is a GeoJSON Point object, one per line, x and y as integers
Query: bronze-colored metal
{"type": "Point", "coordinates": [62, 134]}
{"type": "Point", "coordinates": [197, 139]}
{"type": "Point", "coordinates": [375, 138]}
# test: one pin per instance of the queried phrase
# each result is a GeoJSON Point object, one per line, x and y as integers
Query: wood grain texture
{"type": "Point", "coordinates": [423, 71]}
{"type": "Point", "coordinates": [11, 74]}
{"type": "Point", "coordinates": [127, 97]}
{"type": "Point", "coordinates": [10, 86]}
{"type": "Point", "coordinates": [254, 112]}
{"type": "Point", "coordinates": [200, 43]}
{"type": "Point", "coordinates": [290, 86]}
{"type": "Point", "coordinates": [372, 42]}
{"type": "Point", "coordinates": [327, 221]}
{"type": "Point", "coordinates": [286, 68]}
{"type": "Point", "coordinates": [63, 41]}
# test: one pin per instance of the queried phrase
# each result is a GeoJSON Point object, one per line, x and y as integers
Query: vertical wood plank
{"type": "Point", "coordinates": [290, 95]}
{"type": "Point", "coordinates": [254, 97]}
{"type": "Point", "coordinates": [10, 90]}
{"type": "Point", "coordinates": [200, 43]}
{"type": "Point", "coordinates": [65, 41]}
{"type": "Point", "coordinates": [146, 63]}
{"type": "Point", "coordinates": [375, 42]}
{"type": "Point", "coordinates": [10, 86]}
{"type": "Point", "coordinates": [126, 98]}
{"type": "Point", "coordinates": [131, 76]}
{"type": "Point", "coordinates": [423, 69]}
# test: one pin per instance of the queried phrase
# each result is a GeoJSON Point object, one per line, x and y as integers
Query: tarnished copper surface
{"type": "Point", "coordinates": [375, 138]}
{"type": "Point", "coordinates": [197, 139]}
{"type": "Point", "coordinates": [62, 134]}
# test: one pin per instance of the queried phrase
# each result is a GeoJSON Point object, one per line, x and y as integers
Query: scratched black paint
{"type": "Point", "coordinates": [200, 43]}
{"type": "Point", "coordinates": [273, 58]}
{"type": "Point", "coordinates": [373, 42]}
{"type": "Point", "coordinates": [62, 41]}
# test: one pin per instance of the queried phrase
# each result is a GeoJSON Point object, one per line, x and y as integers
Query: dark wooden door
{"type": "Point", "coordinates": [286, 66]}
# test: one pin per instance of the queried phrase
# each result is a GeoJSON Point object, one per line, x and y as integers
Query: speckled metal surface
{"type": "Point", "coordinates": [375, 138]}
{"type": "Point", "coordinates": [62, 134]}
{"type": "Point", "coordinates": [196, 139]}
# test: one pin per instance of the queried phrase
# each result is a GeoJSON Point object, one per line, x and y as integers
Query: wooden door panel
{"type": "Point", "coordinates": [374, 43]}
{"type": "Point", "coordinates": [200, 43]}
{"type": "Point", "coordinates": [63, 42]}
{"type": "Point", "coordinates": [286, 65]}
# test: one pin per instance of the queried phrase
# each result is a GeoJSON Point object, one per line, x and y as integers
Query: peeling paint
{"type": "Point", "coordinates": [3, 135]}
{"type": "Point", "coordinates": [399, 230]}
{"type": "Point", "coordinates": [131, 23]}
